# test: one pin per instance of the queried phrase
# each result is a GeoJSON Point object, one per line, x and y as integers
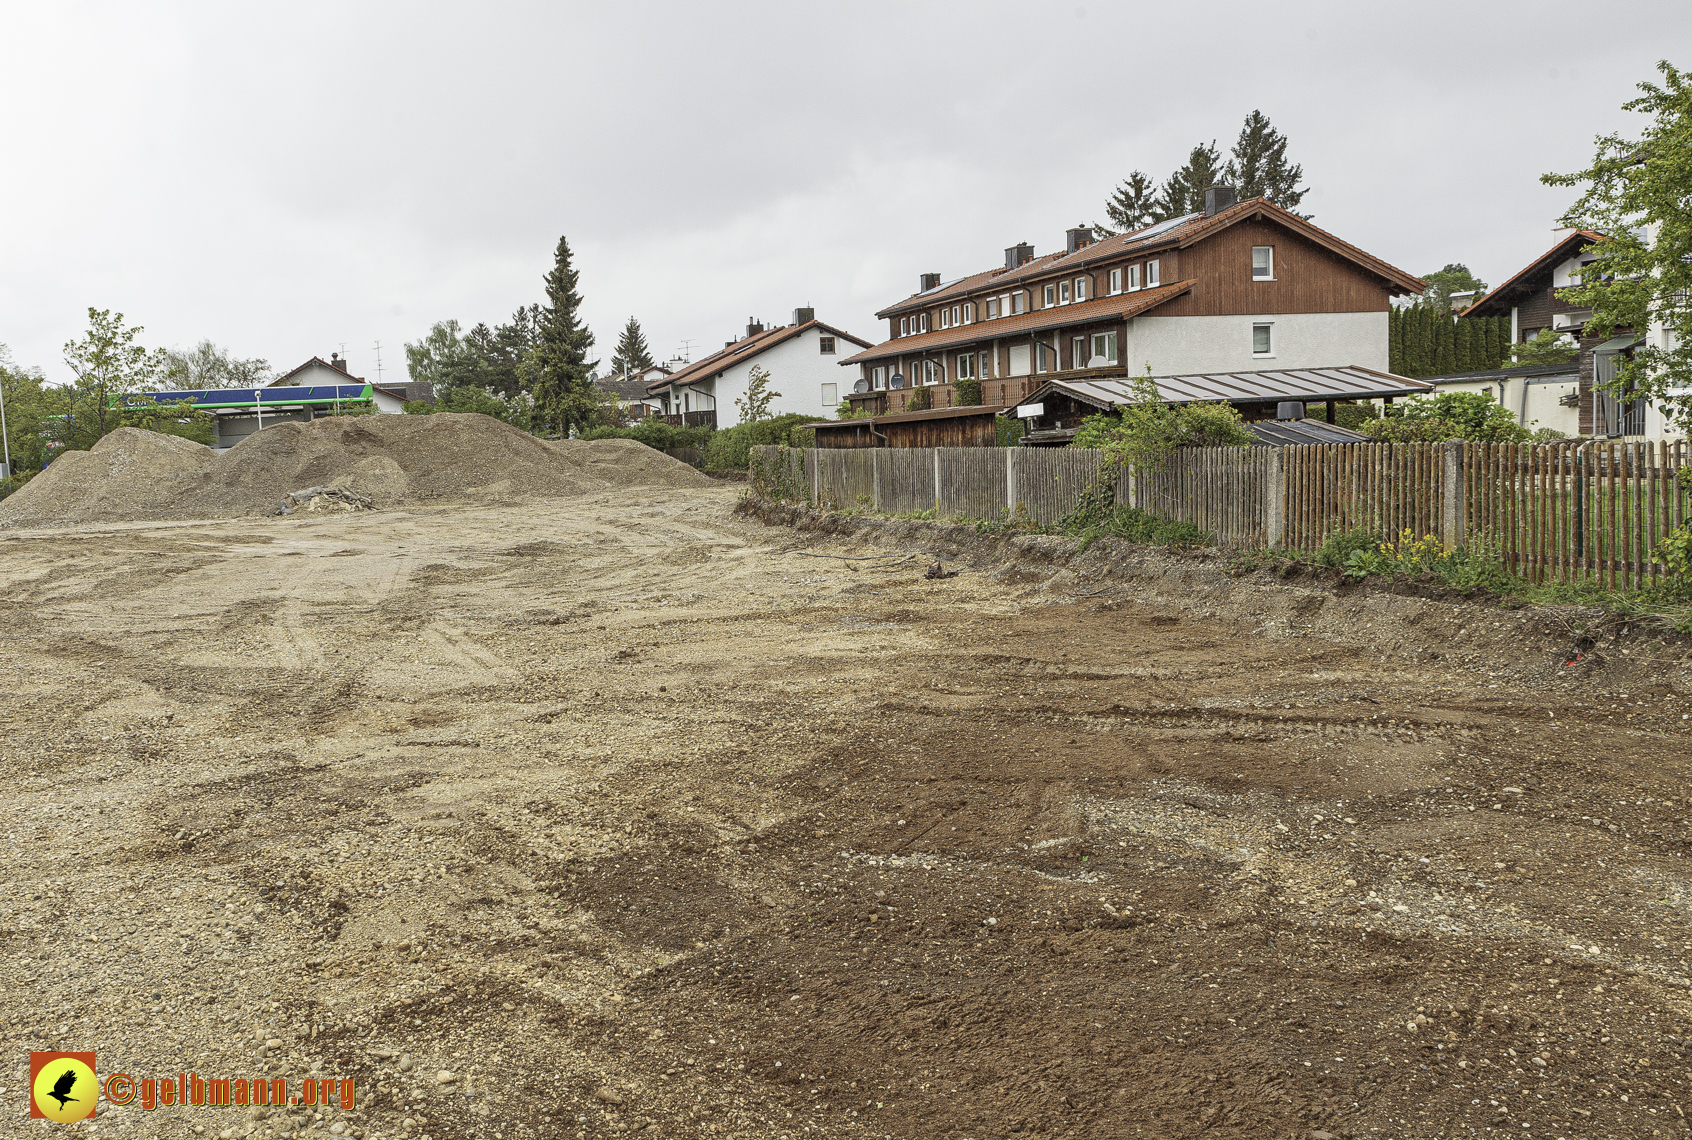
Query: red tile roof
{"type": "Point", "coordinates": [1193, 228]}
{"type": "Point", "coordinates": [1557, 253]}
{"type": "Point", "coordinates": [1115, 308]}
{"type": "Point", "coordinates": [744, 349]}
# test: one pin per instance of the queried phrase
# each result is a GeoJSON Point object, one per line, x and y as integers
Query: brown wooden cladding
{"type": "Point", "coordinates": [1308, 278]}
{"type": "Point", "coordinates": [950, 431]}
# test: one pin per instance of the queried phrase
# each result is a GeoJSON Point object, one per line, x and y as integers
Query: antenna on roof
{"type": "Point", "coordinates": [378, 360]}
{"type": "Point", "coordinates": [686, 351]}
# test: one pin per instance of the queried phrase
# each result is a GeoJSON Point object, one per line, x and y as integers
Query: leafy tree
{"type": "Point", "coordinates": [755, 404]}
{"type": "Point", "coordinates": [558, 367]}
{"type": "Point", "coordinates": [447, 359]}
{"type": "Point", "coordinates": [1258, 166]}
{"type": "Point", "coordinates": [1454, 278]}
{"type": "Point", "coordinates": [172, 417]}
{"type": "Point", "coordinates": [108, 366]}
{"type": "Point", "coordinates": [29, 407]}
{"type": "Point", "coordinates": [1183, 193]}
{"type": "Point", "coordinates": [632, 354]}
{"type": "Point", "coordinates": [1146, 431]}
{"type": "Point", "coordinates": [516, 411]}
{"type": "Point", "coordinates": [1132, 206]}
{"type": "Point", "coordinates": [1449, 415]}
{"type": "Point", "coordinates": [209, 365]}
{"type": "Point", "coordinates": [1636, 192]}
{"type": "Point", "coordinates": [1547, 347]}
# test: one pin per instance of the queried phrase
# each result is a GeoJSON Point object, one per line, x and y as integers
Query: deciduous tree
{"type": "Point", "coordinates": [209, 365]}
{"type": "Point", "coordinates": [755, 404]}
{"type": "Point", "coordinates": [108, 365]}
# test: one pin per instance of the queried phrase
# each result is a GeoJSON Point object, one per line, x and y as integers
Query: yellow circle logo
{"type": "Point", "coordinates": [65, 1090]}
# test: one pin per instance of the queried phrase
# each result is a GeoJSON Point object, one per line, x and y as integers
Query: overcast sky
{"type": "Point", "coordinates": [289, 179]}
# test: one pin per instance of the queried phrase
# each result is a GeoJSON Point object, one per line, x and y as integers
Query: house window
{"type": "Point", "coordinates": [825, 344]}
{"type": "Point", "coordinates": [1063, 293]}
{"type": "Point", "coordinates": [957, 314]}
{"type": "Point", "coordinates": [1080, 288]}
{"type": "Point", "coordinates": [1262, 343]}
{"type": "Point", "coordinates": [987, 363]}
{"type": "Point", "coordinates": [966, 365]}
{"type": "Point", "coordinates": [1077, 351]}
{"type": "Point", "coordinates": [1263, 263]}
{"type": "Point", "coordinates": [1104, 350]}
{"type": "Point", "coordinates": [930, 372]}
{"type": "Point", "coordinates": [830, 396]}
{"type": "Point", "coordinates": [969, 312]}
{"type": "Point", "coordinates": [1018, 303]}
{"type": "Point", "coordinates": [992, 307]}
{"type": "Point", "coordinates": [1115, 281]}
{"type": "Point", "coordinates": [1050, 296]}
{"type": "Point", "coordinates": [878, 378]}
{"type": "Point", "coordinates": [1152, 278]}
{"type": "Point", "coordinates": [1133, 278]}
{"type": "Point", "coordinates": [1045, 358]}
{"type": "Point", "coordinates": [945, 318]}
{"type": "Point", "coordinates": [904, 326]}
{"type": "Point", "coordinates": [922, 322]}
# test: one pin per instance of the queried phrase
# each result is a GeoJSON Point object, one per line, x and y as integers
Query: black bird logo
{"type": "Point", "coordinates": [62, 1087]}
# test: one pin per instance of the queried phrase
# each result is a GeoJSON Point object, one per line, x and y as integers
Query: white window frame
{"type": "Point", "coordinates": [1045, 360]}
{"type": "Point", "coordinates": [1018, 302]}
{"type": "Point", "coordinates": [1133, 279]}
{"type": "Point", "coordinates": [1080, 289]}
{"type": "Point", "coordinates": [1048, 296]}
{"type": "Point", "coordinates": [932, 374]}
{"type": "Point", "coordinates": [1115, 282]}
{"type": "Point", "coordinates": [827, 389]}
{"type": "Point", "coordinates": [878, 378]}
{"type": "Point", "coordinates": [969, 312]}
{"type": "Point", "coordinates": [989, 365]}
{"type": "Point", "coordinates": [1269, 329]}
{"type": "Point", "coordinates": [945, 319]}
{"type": "Point", "coordinates": [1109, 339]}
{"type": "Point", "coordinates": [922, 321]}
{"type": "Point", "coordinates": [966, 365]}
{"type": "Point", "coordinates": [904, 326]}
{"type": "Point", "coordinates": [1063, 292]}
{"type": "Point", "coordinates": [1269, 263]}
{"type": "Point", "coordinates": [1154, 274]}
{"type": "Point", "coordinates": [992, 308]}
{"type": "Point", "coordinates": [1078, 343]}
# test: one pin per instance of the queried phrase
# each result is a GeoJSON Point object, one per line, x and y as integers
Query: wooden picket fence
{"type": "Point", "coordinates": [1559, 511]}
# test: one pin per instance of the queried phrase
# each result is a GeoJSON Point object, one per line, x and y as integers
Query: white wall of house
{"type": "Point", "coordinates": [1542, 408]}
{"type": "Point", "coordinates": [811, 382]}
{"type": "Point", "coordinates": [315, 374]}
{"type": "Point", "coordinates": [1176, 346]}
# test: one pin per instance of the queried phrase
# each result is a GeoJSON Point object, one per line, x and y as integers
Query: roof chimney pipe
{"type": "Point", "coordinates": [804, 316]}
{"type": "Point", "coordinates": [1078, 238]}
{"type": "Point", "coordinates": [1217, 199]}
{"type": "Point", "coordinates": [754, 326]}
{"type": "Point", "coordinates": [1289, 410]}
{"type": "Point", "coordinates": [1019, 254]}
{"type": "Point", "coordinates": [929, 281]}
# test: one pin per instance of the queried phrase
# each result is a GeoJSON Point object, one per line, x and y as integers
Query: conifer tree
{"type": "Point", "coordinates": [1445, 344]}
{"type": "Point", "coordinates": [1465, 348]}
{"type": "Point", "coordinates": [1395, 341]}
{"type": "Point", "coordinates": [1259, 168]}
{"type": "Point", "coordinates": [1491, 349]}
{"type": "Point", "coordinates": [1184, 192]}
{"type": "Point", "coordinates": [1134, 204]}
{"type": "Point", "coordinates": [558, 366]}
{"type": "Point", "coordinates": [632, 354]}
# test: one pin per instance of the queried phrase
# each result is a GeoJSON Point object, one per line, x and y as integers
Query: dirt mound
{"type": "Point", "coordinates": [392, 460]}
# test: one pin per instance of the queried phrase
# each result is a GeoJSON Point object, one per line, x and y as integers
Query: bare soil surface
{"type": "Point", "coordinates": [628, 813]}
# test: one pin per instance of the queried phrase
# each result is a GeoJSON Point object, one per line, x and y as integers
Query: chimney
{"type": "Point", "coordinates": [929, 281]}
{"type": "Point", "coordinates": [1078, 238]}
{"type": "Point", "coordinates": [1217, 199]}
{"type": "Point", "coordinates": [804, 316]}
{"type": "Point", "coordinates": [1019, 254]}
{"type": "Point", "coordinates": [754, 326]}
{"type": "Point", "coordinates": [1289, 410]}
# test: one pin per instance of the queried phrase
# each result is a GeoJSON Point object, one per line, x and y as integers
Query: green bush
{"type": "Point", "coordinates": [1143, 433]}
{"type": "Point", "coordinates": [1447, 416]}
{"type": "Point", "coordinates": [655, 433]}
{"type": "Point", "coordinates": [1008, 431]}
{"type": "Point", "coordinates": [1354, 416]}
{"type": "Point", "coordinates": [921, 400]}
{"type": "Point", "coordinates": [1136, 525]}
{"type": "Point", "coordinates": [1341, 545]}
{"type": "Point", "coordinates": [968, 391]}
{"type": "Point", "coordinates": [730, 449]}
{"type": "Point", "coordinates": [518, 411]}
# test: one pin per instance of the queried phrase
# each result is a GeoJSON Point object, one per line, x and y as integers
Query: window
{"type": "Point", "coordinates": [1151, 275]}
{"type": "Point", "coordinates": [825, 344]}
{"type": "Point", "coordinates": [969, 312]}
{"type": "Point", "coordinates": [1050, 296]}
{"type": "Point", "coordinates": [1018, 303]}
{"type": "Point", "coordinates": [1115, 281]}
{"type": "Point", "coordinates": [1047, 359]}
{"type": "Point", "coordinates": [966, 365]}
{"type": "Point", "coordinates": [1104, 350]}
{"type": "Point", "coordinates": [830, 396]}
{"type": "Point", "coordinates": [988, 365]}
{"type": "Point", "coordinates": [878, 378]}
{"type": "Point", "coordinates": [922, 322]}
{"type": "Point", "coordinates": [1262, 344]}
{"type": "Point", "coordinates": [930, 372]}
{"type": "Point", "coordinates": [957, 314]}
{"type": "Point", "coordinates": [1263, 263]}
{"type": "Point", "coordinates": [1077, 351]}
{"type": "Point", "coordinates": [904, 326]}
{"type": "Point", "coordinates": [992, 307]}
{"type": "Point", "coordinates": [1063, 293]}
{"type": "Point", "coordinates": [1080, 288]}
{"type": "Point", "coordinates": [1133, 278]}
{"type": "Point", "coordinates": [945, 318]}
{"type": "Point", "coordinates": [1019, 359]}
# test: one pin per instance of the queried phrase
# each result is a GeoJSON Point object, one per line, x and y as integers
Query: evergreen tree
{"type": "Point", "coordinates": [558, 366]}
{"type": "Point", "coordinates": [1465, 348]}
{"type": "Point", "coordinates": [632, 355]}
{"type": "Point", "coordinates": [1444, 344]}
{"type": "Point", "coordinates": [1184, 192]}
{"type": "Point", "coordinates": [1134, 204]}
{"type": "Point", "coordinates": [1259, 168]}
{"type": "Point", "coordinates": [1395, 342]}
{"type": "Point", "coordinates": [508, 349]}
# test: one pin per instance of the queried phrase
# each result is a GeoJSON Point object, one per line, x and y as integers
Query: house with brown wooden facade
{"type": "Point", "coordinates": [1241, 286]}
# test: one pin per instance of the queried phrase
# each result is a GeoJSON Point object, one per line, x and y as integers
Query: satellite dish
{"type": "Point", "coordinates": [897, 380]}
{"type": "Point", "coordinates": [861, 386]}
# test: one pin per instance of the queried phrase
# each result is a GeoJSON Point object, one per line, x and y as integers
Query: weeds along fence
{"type": "Point", "coordinates": [1558, 511]}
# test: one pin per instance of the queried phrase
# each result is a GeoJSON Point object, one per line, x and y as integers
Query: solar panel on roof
{"type": "Point", "coordinates": [1160, 228]}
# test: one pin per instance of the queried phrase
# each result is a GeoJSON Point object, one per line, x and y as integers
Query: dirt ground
{"type": "Point", "coordinates": [626, 813]}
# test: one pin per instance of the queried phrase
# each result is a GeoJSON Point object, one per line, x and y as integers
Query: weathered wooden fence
{"type": "Point", "coordinates": [1550, 511]}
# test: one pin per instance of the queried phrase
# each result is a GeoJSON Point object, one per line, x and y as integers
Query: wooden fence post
{"type": "Point", "coordinates": [937, 482]}
{"type": "Point", "coordinates": [816, 476]}
{"type": "Point", "coordinates": [1274, 499]}
{"type": "Point", "coordinates": [875, 477]}
{"type": "Point", "coordinates": [1451, 515]}
{"type": "Point", "coordinates": [1012, 454]}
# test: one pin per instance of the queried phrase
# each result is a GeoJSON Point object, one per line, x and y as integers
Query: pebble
{"type": "Point", "coordinates": [406, 1064]}
{"type": "Point", "coordinates": [445, 1078]}
{"type": "Point", "coordinates": [1351, 882]}
{"type": "Point", "coordinates": [608, 1096]}
{"type": "Point", "coordinates": [273, 1043]}
{"type": "Point", "coordinates": [1539, 1062]}
{"type": "Point", "coordinates": [338, 1128]}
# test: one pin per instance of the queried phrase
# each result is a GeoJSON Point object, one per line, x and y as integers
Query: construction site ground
{"type": "Point", "coordinates": [629, 813]}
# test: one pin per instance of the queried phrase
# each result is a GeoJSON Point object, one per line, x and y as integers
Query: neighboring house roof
{"type": "Point", "coordinates": [1522, 282]}
{"type": "Point", "coordinates": [743, 350]}
{"type": "Point", "coordinates": [1532, 372]}
{"type": "Point", "coordinates": [1289, 433]}
{"type": "Point", "coordinates": [316, 395]}
{"type": "Point", "coordinates": [1351, 382]}
{"type": "Point", "coordinates": [282, 380]}
{"type": "Point", "coordinates": [906, 417]}
{"type": "Point", "coordinates": [1119, 306]}
{"type": "Point", "coordinates": [1176, 233]}
{"type": "Point", "coordinates": [633, 388]}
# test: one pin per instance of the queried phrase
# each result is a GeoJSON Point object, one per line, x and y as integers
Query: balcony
{"type": "Point", "coordinates": [706, 418]}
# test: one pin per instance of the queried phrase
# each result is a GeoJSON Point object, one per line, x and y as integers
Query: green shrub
{"type": "Point", "coordinates": [967, 390]}
{"type": "Point", "coordinates": [921, 400]}
{"type": "Point", "coordinates": [1341, 545]}
{"type": "Point", "coordinates": [1447, 416]}
{"type": "Point", "coordinates": [655, 433]}
{"type": "Point", "coordinates": [730, 449]}
{"type": "Point", "coordinates": [1674, 554]}
{"type": "Point", "coordinates": [1008, 431]}
{"type": "Point", "coordinates": [1354, 416]}
{"type": "Point", "coordinates": [1136, 525]}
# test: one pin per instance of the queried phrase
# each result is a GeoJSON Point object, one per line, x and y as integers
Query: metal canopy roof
{"type": "Point", "coordinates": [1351, 382]}
{"type": "Point", "coordinates": [251, 397]}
